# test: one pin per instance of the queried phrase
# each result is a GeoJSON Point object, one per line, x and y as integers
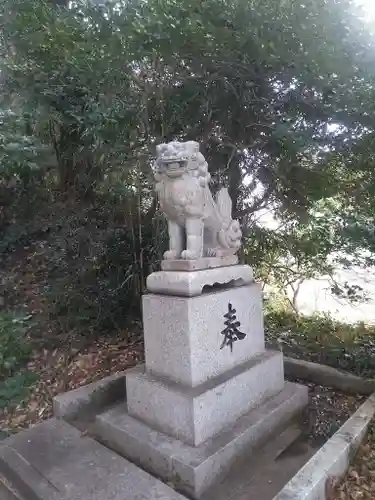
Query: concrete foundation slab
{"type": "Point", "coordinates": [194, 469]}
{"type": "Point", "coordinates": [7, 492]}
{"type": "Point", "coordinates": [203, 411]}
{"type": "Point", "coordinates": [263, 474]}
{"type": "Point", "coordinates": [54, 461]}
{"type": "Point", "coordinates": [91, 398]}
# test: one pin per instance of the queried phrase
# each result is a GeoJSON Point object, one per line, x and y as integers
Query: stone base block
{"type": "Point", "coordinates": [194, 469]}
{"type": "Point", "coordinates": [190, 284]}
{"type": "Point", "coordinates": [196, 265]}
{"type": "Point", "coordinates": [183, 336]}
{"type": "Point", "coordinates": [201, 412]}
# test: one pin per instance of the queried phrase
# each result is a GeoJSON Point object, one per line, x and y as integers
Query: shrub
{"type": "Point", "coordinates": [14, 349]}
{"type": "Point", "coordinates": [14, 353]}
{"type": "Point", "coordinates": [98, 265]}
{"type": "Point", "coordinates": [321, 339]}
{"type": "Point", "coordinates": [15, 389]}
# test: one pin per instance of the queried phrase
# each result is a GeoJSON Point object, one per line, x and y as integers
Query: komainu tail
{"type": "Point", "coordinates": [230, 234]}
{"type": "Point", "coordinates": [224, 206]}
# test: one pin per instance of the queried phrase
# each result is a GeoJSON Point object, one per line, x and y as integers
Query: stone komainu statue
{"type": "Point", "coordinates": [198, 225]}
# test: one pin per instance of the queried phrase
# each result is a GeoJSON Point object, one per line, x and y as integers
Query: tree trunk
{"type": "Point", "coordinates": [77, 173]}
{"type": "Point", "coordinates": [234, 185]}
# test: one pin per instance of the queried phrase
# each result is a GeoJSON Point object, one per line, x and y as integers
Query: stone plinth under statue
{"type": "Point", "coordinates": [209, 390]}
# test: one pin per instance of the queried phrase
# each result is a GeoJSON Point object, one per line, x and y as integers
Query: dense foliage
{"type": "Point", "coordinates": [279, 94]}
{"type": "Point", "coordinates": [14, 353]}
{"type": "Point", "coordinates": [322, 340]}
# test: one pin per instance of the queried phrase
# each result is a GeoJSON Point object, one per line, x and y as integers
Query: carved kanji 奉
{"type": "Point", "coordinates": [231, 332]}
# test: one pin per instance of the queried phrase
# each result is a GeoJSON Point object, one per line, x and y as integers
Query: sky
{"type": "Point", "coordinates": [369, 7]}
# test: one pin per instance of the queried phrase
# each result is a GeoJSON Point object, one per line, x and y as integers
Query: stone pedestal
{"type": "Point", "coordinates": [195, 414]}
{"type": "Point", "coordinates": [209, 390]}
{"type": "Point", "coordinates": [183, 334]}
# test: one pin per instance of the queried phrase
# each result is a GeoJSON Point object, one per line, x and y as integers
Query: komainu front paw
{"type": "Point", "coordinates": [189, 255]}
{"type": "Point", "coordinates": [171, 255]}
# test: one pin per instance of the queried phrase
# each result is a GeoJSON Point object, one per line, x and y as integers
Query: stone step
{"type": "Point", "coordinates": [201, 412]}
{"type": "Point", "coordinates": [194, 470]}
{"type": "Point", "coordinates": [55, 461]}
